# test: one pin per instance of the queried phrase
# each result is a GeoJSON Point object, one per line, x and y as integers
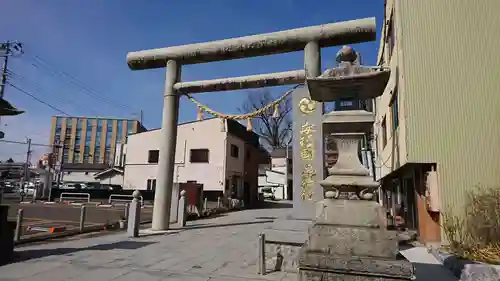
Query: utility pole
{"type": "Point", "coordinates": [25, 178]}
{"type": "Point", "coordinates": [9, 48]}
{"type": "Point", "coordinates": [4, 69]}
{"type": "Point", "coordinates": [26, 165]}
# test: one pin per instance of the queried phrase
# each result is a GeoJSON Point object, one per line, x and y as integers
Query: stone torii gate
{"type": "Point", "coordinates": [309, 39]}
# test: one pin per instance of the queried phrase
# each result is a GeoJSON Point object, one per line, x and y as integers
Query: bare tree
{"type": "Point", "coordinates": [275, 132]}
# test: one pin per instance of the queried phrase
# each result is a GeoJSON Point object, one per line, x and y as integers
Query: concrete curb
{"type": "Point", "coordinates": [466, 270]}
{"type": "Point", "coordinates": [97, 204]}
{"type": "Point", "coordinates": [72, 232]}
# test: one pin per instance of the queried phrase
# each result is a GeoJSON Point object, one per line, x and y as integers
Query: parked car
{"type": "Point", "coordinates": [113, 187]}
{"type": "Point", "coordinates": [73, 185]}
{"type": "Point", "coordinates": [7, 187]}
{"type": "Point", "coordinates": [268, 193]}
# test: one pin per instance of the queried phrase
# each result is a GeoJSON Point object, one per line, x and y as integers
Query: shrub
{"type": "Point", "coordinates": [476, 235]}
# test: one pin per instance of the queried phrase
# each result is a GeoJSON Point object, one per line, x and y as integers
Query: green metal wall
{"type": "Point", "coordinates": [450, 66]}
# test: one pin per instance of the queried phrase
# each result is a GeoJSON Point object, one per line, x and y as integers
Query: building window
{"type": "Point", "coordinates": [97, 154]}
{"type": "Point", "coordinates": [58, 122]}
{"type": "Point", "coordinates": [78, 133]}
{"type": "Point", "coordinates": [384, 132]}
{"type": "Point", "coordinates": [199, 155]}
{"type": "Point", "coordinates": [99, 125]}
{"type": "Point", "coordinates": [119, 130]}
{"type": "Point", "coordinates": [65, 155]}
{"type": "Point", "coordinates": [130, 127]}
{"type": "Point", "coordinates": [86, 155]}
{"type": "Point", "coordinates": [89, 125]}
{"type": "Point", "coordinates": [395, 111]}
{"type": "Point", "coordinates": [153, 156]}
{"type": "Point", "coordinates": [108, 157]}
{"type": "Point", "coordinates": [76, 157]}
{"type": "Point", "coordinates": [151, 184]}
{"type": "Point", "coordinates": [88, 135]}
{"type": "Point", "coordinates": [390, 38]}
{"type": "Point", "coordinates": [109, 136]}
{"type": "Point", "coordinates": [235, 151]}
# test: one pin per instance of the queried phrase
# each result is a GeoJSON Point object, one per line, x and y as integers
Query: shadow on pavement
{"type": "Point", "coordinates": [194, 217]}
{"type": "Point", "coordinates": [25, 255]}
{"type": "Point", "coordinates": [430, 272]}
{"type": "Point", "coordinates": [201, 226]}
{"type": "Point", "coordinates": [274, 205]}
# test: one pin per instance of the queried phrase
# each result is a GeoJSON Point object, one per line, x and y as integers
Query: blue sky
{"type": "Point", "coordinates": [89, 41]}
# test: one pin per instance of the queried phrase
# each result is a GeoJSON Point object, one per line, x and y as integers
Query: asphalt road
{"type": "Point", "coordinates": [40, 215]}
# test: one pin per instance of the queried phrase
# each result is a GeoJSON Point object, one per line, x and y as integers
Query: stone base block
{"type": "Point", "coordinates": [292, 224]}
{"type": "Point", "coordinates": [283, 241]}
{"type": "Point", "coordinates": [351, 212]}
{"type": "Point", "coordinates": [288, 231]}
{"type": "Point", "coordinates": [282, 257]}
{"type": "Point", "coordinates": [355, 241]}
{"type": "Point", "coordinates": [320, 265]}
{"type": "Point", "coordinates": [329, 276]}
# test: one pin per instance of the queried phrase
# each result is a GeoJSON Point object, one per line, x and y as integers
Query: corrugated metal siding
{"type": "Point", "coordinates": [450, 51]}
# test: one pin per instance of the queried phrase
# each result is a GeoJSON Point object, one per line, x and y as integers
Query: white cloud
{"type": "Point", "coordinates": [20, 128]}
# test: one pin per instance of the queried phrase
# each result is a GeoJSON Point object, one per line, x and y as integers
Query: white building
{"type": "Point", "coordinates": [221, 156]}
{"type": "Point", "coordinates": [91, 173]}
{"type": "Point", "coordinates": [277, 176]}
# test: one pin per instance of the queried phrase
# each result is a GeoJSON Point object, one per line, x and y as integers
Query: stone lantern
{"type": "Point", "coordinates": [349, 239]}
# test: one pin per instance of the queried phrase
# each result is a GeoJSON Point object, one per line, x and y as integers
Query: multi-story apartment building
{"type": "Point", "coordinates": [90, 140]}
{"type": "Point", "coordinates": [436, 129]}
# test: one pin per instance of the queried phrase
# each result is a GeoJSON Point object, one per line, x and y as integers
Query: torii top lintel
{"type": "Point", "coordinates": [327, 35]}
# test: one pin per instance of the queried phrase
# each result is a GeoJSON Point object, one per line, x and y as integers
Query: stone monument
{"type": "Point", "coordinates": [349, 239]}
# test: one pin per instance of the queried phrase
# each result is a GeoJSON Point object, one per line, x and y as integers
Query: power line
{"type": "Point", "coordinates": [40, 62]}
{"type": "Point", "coordinates": [32, 144]}
{"type": "Point", "coordinates": [37, 88]}
{"type": "Point", "coordinates": [37, 99]}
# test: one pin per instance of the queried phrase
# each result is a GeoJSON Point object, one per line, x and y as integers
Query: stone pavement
{"type": "Point", "coordinates": [222, 248]}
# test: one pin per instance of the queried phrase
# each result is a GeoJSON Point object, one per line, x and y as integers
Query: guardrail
{"type": "Point", "coordinates": [129, 198]}
{"type": "Point", "coordinates": [74, 196]}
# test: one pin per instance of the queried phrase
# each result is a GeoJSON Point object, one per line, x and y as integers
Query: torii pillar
{"type": "Point", "coordinates": [310, 39]}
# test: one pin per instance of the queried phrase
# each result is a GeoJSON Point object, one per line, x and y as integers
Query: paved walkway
{"type": "Point", "coordinates": [222, 248]}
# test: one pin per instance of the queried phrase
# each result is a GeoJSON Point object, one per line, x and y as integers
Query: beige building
{"type": "Point", "coordinates": [440, 109]}
{"type": "Point", "coordinates": [90, 140]}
